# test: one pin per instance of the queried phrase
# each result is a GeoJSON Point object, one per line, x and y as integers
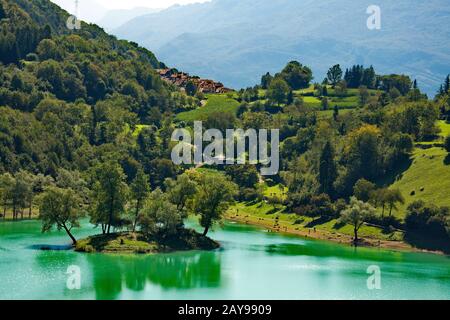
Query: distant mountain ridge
{"type": "Point", "coordinates": [115, 18]}
{"type": "Point", "coordinates": [237, 41]}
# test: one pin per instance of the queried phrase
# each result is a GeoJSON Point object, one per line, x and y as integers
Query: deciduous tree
{"type": "Point", "coordinates": [356, 214]}
{"type": "Point", "coordinates": [215, 195]}
{"type": "Point", "coordinates": [60, 208]}
{"type": "Point", "coordinates": [140, 189]}
{"type": "Point", "coordinates": [334, 74]}
{"type": "Point", "coordinates": [278, 91]}
{"type": "Point", "coordinates": [109, 196]}
{"type": "Point", "coordinates": [181, 191]}
{"type": "Point", "coordinates": [160, 218]}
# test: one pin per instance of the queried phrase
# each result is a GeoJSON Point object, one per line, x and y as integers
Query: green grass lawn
{"type": "Point", "coordinates": [445, 128]}
{"type": "Point", "coordinates": [308, 90]}
{"type": "Point", "coordinates": [215, 103]}
{"type": "Point", "coordinates": [352, 92]}
{"type": "Point", "coordinates": [312, 102]}
{"type": "Point", "coordinates": [276, 190]}
{"type": "Point", "coordinates": [344, 102]}
{"type": "Point", "coordinates": [210, 172]}
{"type": "Point", "coordinates": [429, 172]}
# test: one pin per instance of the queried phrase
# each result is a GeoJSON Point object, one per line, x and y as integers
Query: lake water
{"type": "Point", "coordinates": [252, 264]}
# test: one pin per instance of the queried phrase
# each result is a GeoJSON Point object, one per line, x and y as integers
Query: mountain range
{"type": "Point", "coordinates": [236, 41]}
{"type": "Point", "coordinates": [113, 19]}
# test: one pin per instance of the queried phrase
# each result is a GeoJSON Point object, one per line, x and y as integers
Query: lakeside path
{"type": "Point", "coordinates": [285, 227]}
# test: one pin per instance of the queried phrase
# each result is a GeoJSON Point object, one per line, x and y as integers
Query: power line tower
{"type": "Point", "coordinates": [76, 9]}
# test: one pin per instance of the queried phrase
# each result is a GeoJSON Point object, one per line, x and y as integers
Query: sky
{"type": "Point", "coordinates": [95, 10]}
{"type": "Point", "coordinates": [126, 4]}
{"type": "Point", "coordinates": [129, 4]}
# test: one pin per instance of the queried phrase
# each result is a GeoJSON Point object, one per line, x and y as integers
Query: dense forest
{"type": "Point", "coordinates": [86, 125]}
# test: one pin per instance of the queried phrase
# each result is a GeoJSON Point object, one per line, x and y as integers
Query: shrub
{"type": "Point", "coordinates": [430, 220]}
{"type": "Point", "coordinates": [386, 221]}
{"type": "Point", "coordinates": [248, 194]}
{"type": "Point", "coordinates": [32, 57]}
{"type": "Point", "coordinates": [316, 206]}
{"type": "Point", "coordinates": [447, 143]}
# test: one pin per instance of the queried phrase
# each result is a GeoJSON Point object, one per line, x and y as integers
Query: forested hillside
{"type": "Point", "coordinates": [69, 98]}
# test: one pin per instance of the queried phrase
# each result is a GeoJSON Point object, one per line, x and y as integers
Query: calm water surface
{"type": "Point", "coordinates": [252, 264]}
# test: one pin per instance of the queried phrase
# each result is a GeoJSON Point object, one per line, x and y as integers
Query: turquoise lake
{"type": "Point", "coordinates": [252, 264]}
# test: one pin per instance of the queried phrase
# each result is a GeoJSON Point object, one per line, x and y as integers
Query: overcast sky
{"type": "Point", "coordinates": [94, 10]}
{"type": "Point", "coordinates": [127, 4]}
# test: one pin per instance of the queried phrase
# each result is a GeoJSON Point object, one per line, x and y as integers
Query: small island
{"type": "Point", "coordinates": [138, 243]}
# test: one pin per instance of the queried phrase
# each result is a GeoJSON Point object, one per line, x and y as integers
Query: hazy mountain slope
{"type": "Point", "coordinates": [238, 40]}
{"type": "Point", "coordinates": [115, 18]}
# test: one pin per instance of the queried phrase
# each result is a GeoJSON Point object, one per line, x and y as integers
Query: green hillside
{"type": "Point", "coordinates": [428, 177]}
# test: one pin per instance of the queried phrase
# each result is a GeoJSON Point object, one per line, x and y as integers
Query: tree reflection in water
{"type": "Point", "coordinates": [111, 274]}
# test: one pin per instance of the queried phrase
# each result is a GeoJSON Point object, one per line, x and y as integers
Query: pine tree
{"type": "Point", "coordinates": [447, 84]}
{"type": "Point", "coordinates": [336, 113]}
{"type": "Point", "coordinates": [140, 189]}
{"type": "Point", "coordinates": [265, 80]}
{"type": "Point", "coordinates": [290, 97]}
{"type": "Point", "coordinates": [2, 11]}
{"type": "Point", "coordinates": [327, 169]}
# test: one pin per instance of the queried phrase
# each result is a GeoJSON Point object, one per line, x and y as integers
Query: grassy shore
{"type": "Point", "coordinates": [265, 216]}
{"type": "Point", "coordinates": [9, 215]}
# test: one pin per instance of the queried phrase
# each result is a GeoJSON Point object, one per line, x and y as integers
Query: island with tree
{"type": "Point", "coordinates": [134, 219]}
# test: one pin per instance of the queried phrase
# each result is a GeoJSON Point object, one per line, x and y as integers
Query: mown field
{"type": "Point", "coordinates": [215, 103]}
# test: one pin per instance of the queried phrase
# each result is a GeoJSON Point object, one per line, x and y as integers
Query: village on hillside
{"type": "Point", "coordinates": [181, 79]}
